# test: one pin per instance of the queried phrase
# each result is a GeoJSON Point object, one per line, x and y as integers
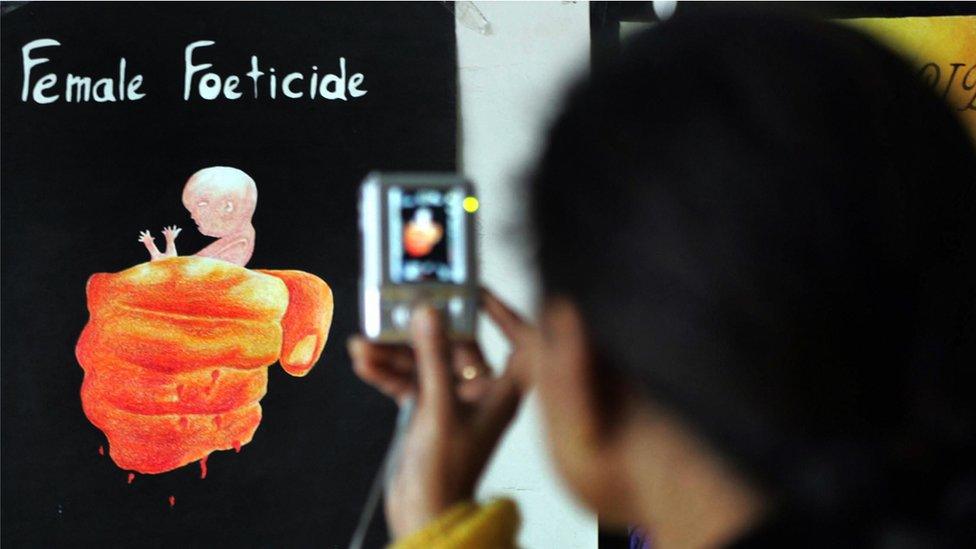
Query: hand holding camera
{"type": "Point", "coordinates": [461, 408]}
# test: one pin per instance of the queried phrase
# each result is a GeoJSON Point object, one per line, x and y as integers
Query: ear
{"type": "Point", "coordinates": [571, 372]}
{"type": "Point", "coordinates": [228, 206]}
{"type": "Point", "coordinates": [585, 414]}
{"type": "Point", "coordinates": [598, 394]}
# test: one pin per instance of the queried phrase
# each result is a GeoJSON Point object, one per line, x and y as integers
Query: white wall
{"type": "Point", "coordinates": [511, 83]}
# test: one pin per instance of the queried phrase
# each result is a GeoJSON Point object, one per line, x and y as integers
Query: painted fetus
{"type": "Point", "coordinates": [422, 233]}
{"type": "Point", "coordinates": [221, 200]}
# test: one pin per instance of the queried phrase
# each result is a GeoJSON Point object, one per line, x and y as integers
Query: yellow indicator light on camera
{"type": "Point", "coordinates": [470, 204]}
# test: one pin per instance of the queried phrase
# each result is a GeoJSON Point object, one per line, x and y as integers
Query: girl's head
{"type": "Point", "coordinates": [761, 231]}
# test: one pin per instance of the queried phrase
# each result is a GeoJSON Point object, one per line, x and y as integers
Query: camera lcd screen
{"type": "Point", "coordinates": [426, 235]}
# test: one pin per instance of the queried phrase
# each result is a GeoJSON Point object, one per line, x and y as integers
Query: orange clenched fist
{"type": "Point", "coordinates": [176, 352]}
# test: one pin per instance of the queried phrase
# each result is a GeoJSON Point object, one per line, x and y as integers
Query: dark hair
{"type": "Point", "coordinates": [768, 223]}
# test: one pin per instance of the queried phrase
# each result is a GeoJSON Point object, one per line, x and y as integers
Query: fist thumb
{"type": "Point", "coordinates": [305, 326]}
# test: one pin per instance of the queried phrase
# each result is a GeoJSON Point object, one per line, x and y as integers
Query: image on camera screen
{"type": "Point", "coordinates": [426, 243]}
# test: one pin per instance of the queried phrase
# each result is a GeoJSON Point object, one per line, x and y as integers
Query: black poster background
{"type": "Point", "coordinates": [80, 180]}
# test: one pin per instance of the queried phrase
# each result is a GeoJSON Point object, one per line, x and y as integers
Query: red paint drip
{"type": "Point", "coordinates": [237, 446]}
{"type": "Point", "coordinates": [101, 450]}
{"type": "Point", "coordinates": [203, 467]}
{"type": "Point", "coordinates": [132, 476]}
{"type": "Point", "coordinates": [172, 501]}
{"type": "Point", "coordinates": [184, 422]}
{"type": "Point", "coordinates": [217, 421]}
{"type": "Point", "coordinates": [179, 392]}
{"type": "Point", "coordinates": [214, 375]}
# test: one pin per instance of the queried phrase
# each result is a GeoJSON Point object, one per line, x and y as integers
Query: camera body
{"type": "Point", "coordinates": [418, 247]}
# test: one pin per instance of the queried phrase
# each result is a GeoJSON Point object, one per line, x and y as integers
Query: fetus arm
{"type": "Point", "coordinates": [170, 233]}
{"type": "Point", "coordinates": [146, 238]}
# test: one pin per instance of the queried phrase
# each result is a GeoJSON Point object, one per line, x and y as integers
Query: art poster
{"type": "Point", "coordinates": [180, 262]}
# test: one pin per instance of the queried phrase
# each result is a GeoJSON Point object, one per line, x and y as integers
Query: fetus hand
{"type": "Point", "coordinates": [146, 238]}
{"type": "Point", "coordinates": [170, 233]}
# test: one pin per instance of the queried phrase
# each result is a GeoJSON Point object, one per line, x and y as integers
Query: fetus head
{"type": "Point", "coordinates": [220, 200]}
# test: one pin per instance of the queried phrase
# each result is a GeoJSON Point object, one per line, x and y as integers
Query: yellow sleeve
{"type": "Point", "coordinates": [469, 526]}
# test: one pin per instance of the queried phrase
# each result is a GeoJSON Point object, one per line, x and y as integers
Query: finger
{"type": "Point", "coordinates": [305, 326]}
{"type": "Point", "coordinates": [473, 374]}
{"type": "Point", "coordinates": [241, 307]}
{"type": "Point", "coordinates": [474, 390]}
{"type": "Point", "coordinates": [375, 366]}
{"type": "Point", "coordinates": [511, 323]}
{"type": "Point", "coordinates": [468, 362]}
{"type": "Point", "coordinates": [397, 358]}
{"type": "Point", "coordinates": [433, 368]}
{"type": "Point", "coordinates": [498, 408]}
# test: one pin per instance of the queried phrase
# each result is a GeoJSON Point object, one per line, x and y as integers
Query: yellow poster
{"type": "Point", "coordinates": [943, 49]}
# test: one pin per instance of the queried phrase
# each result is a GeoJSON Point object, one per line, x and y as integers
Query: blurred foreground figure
{"type": "Point", "coordinates": [756, 245]}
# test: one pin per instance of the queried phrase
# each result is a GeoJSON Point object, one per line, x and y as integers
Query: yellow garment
{"type": "Point", "coordinates": [469, 526]}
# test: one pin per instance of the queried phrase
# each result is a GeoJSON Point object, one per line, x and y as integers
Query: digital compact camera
{"type": "Point", "coordinates": [418, 247]}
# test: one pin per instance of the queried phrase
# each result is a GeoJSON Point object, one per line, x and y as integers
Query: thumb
{"type": "Point", "coordinates": [305, 326]}
{"type": "Point", "coordinates": [432, 350]}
